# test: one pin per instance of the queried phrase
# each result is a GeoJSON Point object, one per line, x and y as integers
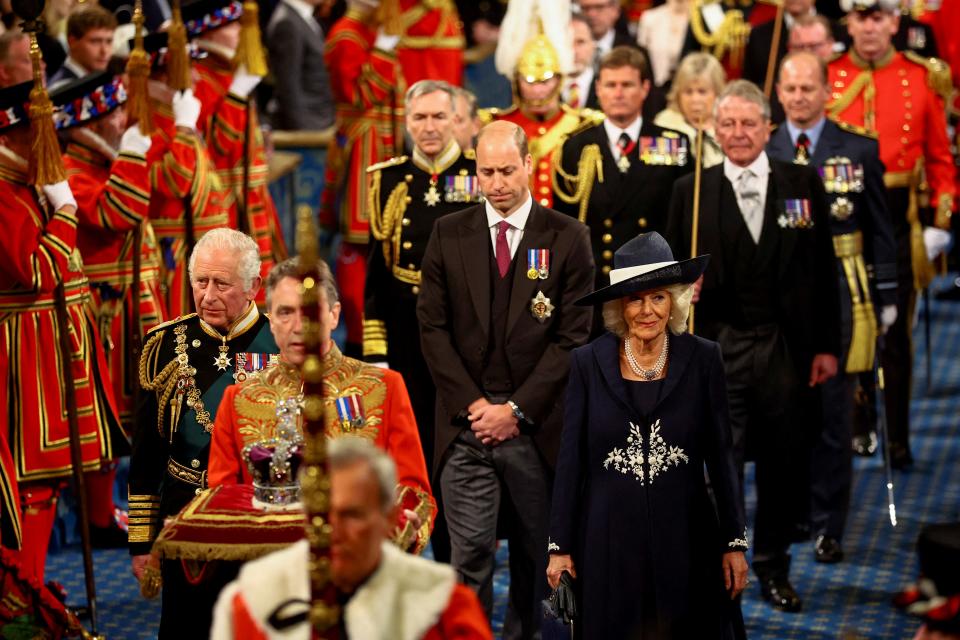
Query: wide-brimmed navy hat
{"type": "Point", "coordinates": [15, 105]}
{"type": "Point", "coordinates": [79, 101]}
{"type": "Point", "coordinates": [643, 263]}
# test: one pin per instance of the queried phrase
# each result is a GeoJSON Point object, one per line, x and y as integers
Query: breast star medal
{"type": "Point", "coordinates": [540, 307]}
{"type": "Point", "coordinates": [221, 362]}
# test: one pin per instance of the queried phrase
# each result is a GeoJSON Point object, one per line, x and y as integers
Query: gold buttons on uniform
{"type": "Point", "coordinates": [543, 177]}
{"type": "Point", "coordinates": [415, 289]}
{"type": "Point", "coordinates": [408, 199]}
{"type": "Point", "coordinates": [606, 269]}
{"type": "Point", "coordinates": [405, 222]}
{"type": "Point", "coordinates": [541, 130]}
{"type": "Point", "coordinates": [642, 222]}
{"type": "Point", "coordinates": [411, 266]}
{"type": "Point", "coordinates": [836, 95]}
{"type": "Point", "coordinates": [908, 104]}
{"type": "Point", "coordinates": [408, 178]}
{"type": "Point", "coordinates": [607, 254]}
{"type": "Point", "coordinates": [908, 116]}
{"type": "Point", "coordinates": [838, 84]}
{"type": "Point", "coordinates": [906, 127]}
{"type": "Point", "coordinates": [608, 223]}
{"type": "Point", "coordinates": [906, 94]}
{"type": "Point", "coordinates": [407, 244]}
{"type": "Point", "coordinates": [607, 238]}
{"type": "Point", "coordinates": [905, 82]}
{"type": "Point", "coordinates": [197, 491]}
{"type": "Point", "coordinates": [545, 202]}
{"type": "Point", "coordinates": [904, 140]}
{"type": "Point", "coordinates": [842, 73]}
{"type": "Point", "coordinates": [544, 165]}
{"type": "Point", "coordinates": [195, 464]}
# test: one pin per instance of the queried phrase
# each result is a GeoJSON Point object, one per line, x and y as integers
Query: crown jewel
{"type": "Point", "coordinates": [274, 462]}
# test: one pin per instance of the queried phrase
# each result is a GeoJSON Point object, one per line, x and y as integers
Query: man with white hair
{"type": "Point", "coordinates": [383, 592]}
{"type": "Point", "coordinates": [184, 368]}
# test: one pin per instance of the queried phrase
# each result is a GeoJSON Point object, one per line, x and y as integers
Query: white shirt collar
{"type": "Point", "coordinates": [613, 131]}
{"type": "Point", "coordinates": [605, 43]}
{"type": "Point", "coordinates": [760, 167]}
{"type": "Point", "coordinates": [240, 325]}
{"type": "Point", "coordinates": [517, 219]}
{"type": "Point", "coordinates": [305, 11]}
{"type": "Point", "coordinates": [75, 67]}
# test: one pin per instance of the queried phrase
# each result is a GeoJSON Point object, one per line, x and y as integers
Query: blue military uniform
{"type": "Point", "coordinates": [848, 161]}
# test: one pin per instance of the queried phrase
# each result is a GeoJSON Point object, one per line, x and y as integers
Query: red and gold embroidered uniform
{"type": "Point", "coordinates": [901, 99]}
{"type": "Point", "coordinates": [112, 198]}
{"type": "Point", "coordinates": [248, 414]}
{"type": "Point", "coordinates": [183, 182]}
{"type": "Point", "coordinates": [431, 47]}
{"type": "Point", "coordinates": [223, 121]}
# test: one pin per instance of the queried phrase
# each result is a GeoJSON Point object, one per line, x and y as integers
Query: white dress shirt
{"type": "Point", "coordinates": [605, 43]}
{"type": "Point", "coordinates": [583, 82]}
{"type": "Point", "coordinates": [517, 220]}
{"type": "Point", "coordinates": [613, 134]}
{"type": "Point", "coordinates": [761, 169]}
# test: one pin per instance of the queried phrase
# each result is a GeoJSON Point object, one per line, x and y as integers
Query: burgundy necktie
{"type": "Point", "coordinates": [503, 249]}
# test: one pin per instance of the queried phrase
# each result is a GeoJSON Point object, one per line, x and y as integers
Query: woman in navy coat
{"type": "Point", "coordinates": [645, 411]}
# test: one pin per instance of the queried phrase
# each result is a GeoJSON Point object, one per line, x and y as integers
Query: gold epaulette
{"type": "Point", "coordinates": [170, 323]}
{"type": "Point", "coordinates": [470, 154]}
{"type": "Point", "coordinates": [938, 73]}
{"type": "Point", "coordinates": [392, 162]}
{"type": "Point", "coordinates": [852, 128]}
{"type": "Point", "coordinates": [489, 115]}
{"type": "Point", "coordinates": [589, 118]}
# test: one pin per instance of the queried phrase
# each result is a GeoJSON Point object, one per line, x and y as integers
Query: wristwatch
{"type": "Point", "coordinates": [516, 411]}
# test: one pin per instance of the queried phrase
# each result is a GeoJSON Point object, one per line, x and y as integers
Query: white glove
{"type": "Point", "coordinates": [888, 315]}
{"type": "Point", "coordinates": [385, 42]}
{"type": "Point", "coordinates": [133, 141]}
{"type": "Point", "coordinates": [186, 109]}
{"type": "Point", "coordinates": [243, 82]}
{"type": "Point", "coordinates": [935, 240]}
{"type": "Point", "coordinates": [59, 195]}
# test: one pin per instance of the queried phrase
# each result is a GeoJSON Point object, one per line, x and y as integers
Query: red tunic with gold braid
{"type": "Point", "coordinates": [37, 250]}
{"type": "Point", "coordinates": [112, 198]}
{"type": "Point", "coordinates": [897, 98]}
{"type": "Point", "coordinates": [223, 121]}
{"type": "Point", "coordinates": [248, 414]}
{"type": "Point", "coordinates": [183, 182]}
{"type": "Point", "coordinates": [431, 47]}
{"type": "Point", "coordinates": [546, 138]}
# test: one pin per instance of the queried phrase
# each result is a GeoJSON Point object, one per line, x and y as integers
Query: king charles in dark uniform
{"type": "Point", "coordinates": [184, 368]}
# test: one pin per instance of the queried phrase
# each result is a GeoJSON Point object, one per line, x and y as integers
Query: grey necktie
{"type": "Point", "coordinates": [748, 197]}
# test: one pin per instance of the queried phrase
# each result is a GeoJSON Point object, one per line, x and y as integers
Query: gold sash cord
{"type": "Point", "coordinates": [848, 248]}
{"type": "Point", "coordinates": [923, 271]}
{"type": "Point", "coordinates": [577, 188]}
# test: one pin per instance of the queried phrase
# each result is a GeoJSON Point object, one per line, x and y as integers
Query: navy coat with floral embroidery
{"type": "Point", "coordinates": [630, 500]}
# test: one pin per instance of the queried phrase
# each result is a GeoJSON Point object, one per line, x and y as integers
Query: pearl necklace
{"type": "Point", "coordinates": [647, 374]}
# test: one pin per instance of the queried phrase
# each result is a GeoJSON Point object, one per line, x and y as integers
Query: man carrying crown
{"type": "Point", "coordinates": [361, 400]}
{"type": "Point", "coordinates": [536, 70]}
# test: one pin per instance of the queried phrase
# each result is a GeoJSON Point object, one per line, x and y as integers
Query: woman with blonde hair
{"type": "Point", "coordinates": [696, 85]}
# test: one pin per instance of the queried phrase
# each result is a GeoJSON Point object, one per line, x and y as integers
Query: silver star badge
{"type": "Point", "coordinates": [540, 307]}
{"type": "Point", "coordinates": [782, 221]}
{"type": "Point", "coordinates": [431, 197]}
{"type": "Point", "coordinates": [221, 362]}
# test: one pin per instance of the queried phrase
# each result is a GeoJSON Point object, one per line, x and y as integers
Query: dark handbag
{"type": "Point", "coordinates": [562, 603]}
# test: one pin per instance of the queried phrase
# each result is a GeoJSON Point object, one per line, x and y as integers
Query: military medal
{"type": "Point", "coordinates": [841, 208]}
{"type": "Point", "coordinates": [796, 215]}
{"type": "Point", "coordinates": [250, 364]}
{"type": "Point", "coordinates": [350, 412]}
{"type": "Point", "coordinates": [432, 196]}
{"type": "Point", "coordinates": [221, 362]}
{"type": "Point", "coordinates": [538, 264]}
{"type": "Point", "coordinates": [623, 162]}
{"type": "Point", "coordinates": [540, 307]}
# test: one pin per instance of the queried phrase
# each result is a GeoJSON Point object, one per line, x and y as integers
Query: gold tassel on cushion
{"type": "Point", "coordinates": [250, 52]}
{"type": "Point", "coordinates": [138, 72]}
{"type": "Point", "coordinates": [46, 163]}
{"type": "Point", "coordinates": [178, 58]}
{"type": "Point", "coordinates": [848, 248]}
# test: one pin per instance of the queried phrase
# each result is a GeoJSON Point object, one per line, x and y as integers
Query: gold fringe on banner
{"type": "Point", "coordinates": [46, 163]}
{"type": "Point", "coordinates": [250, 52]}
{"type": "Point", "coordinates": [178, 58]}
{"type": "Point", "coordinates": [138, 72]}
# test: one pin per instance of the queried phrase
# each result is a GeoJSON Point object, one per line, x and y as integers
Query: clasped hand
{"type": "Point", "coordinates": [492, 423]}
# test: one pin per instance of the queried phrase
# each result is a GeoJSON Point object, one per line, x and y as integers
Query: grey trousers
{"type": "Point", "coordinates": [478, 480]}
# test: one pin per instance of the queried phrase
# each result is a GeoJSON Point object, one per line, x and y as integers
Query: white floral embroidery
{"type": "Point", "coordinates": [552, 546]}
{"type": "Point", "coordinates": [740, 542]}
{"type": "Point", "coordinates": [631, 459]}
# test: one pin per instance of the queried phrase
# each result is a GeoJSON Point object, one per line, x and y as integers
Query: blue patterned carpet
{"type": "Point", "coordinates": [850, 600]}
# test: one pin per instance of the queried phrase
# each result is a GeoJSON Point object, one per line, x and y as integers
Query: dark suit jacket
{"type": "Point", "coordinates": [454, 314]}
{"type": "Point", "coordinates": [302, 84]}
{"type": "Point", "coordinates": [870, 213]}
{"type": "Point", "coordinates": [632, 202]}
{"type": "Point", "coordinates": [808, 310]}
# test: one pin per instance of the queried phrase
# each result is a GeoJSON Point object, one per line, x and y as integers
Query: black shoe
{"type": "Point", "coordinates": [109, 537]}
{"type": "Point", "coordinates": [865, 445]}
{"type": "Point", "coordinates": [900, 457]}
{"type": "Point", "coordinates": [827, 549]}
{"type": "Point", "coordinates": [778, 591]}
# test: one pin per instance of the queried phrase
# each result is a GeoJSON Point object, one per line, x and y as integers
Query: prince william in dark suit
{"type": "Point", "coordinates": [497, 324]}
{"type": "Point", "coordinates": [769, 297]}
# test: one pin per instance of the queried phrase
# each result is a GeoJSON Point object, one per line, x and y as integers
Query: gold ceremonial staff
{"type": "Point", "coordinates": [774, 50]}
{"type": "Point", "coordinates": [695, 222]}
